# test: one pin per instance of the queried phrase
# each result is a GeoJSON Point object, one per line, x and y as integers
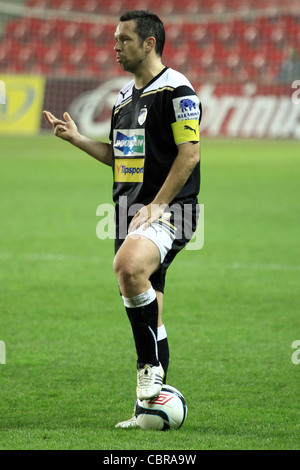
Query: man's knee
{"type": "Point", "coordinates": [124, 267]}
{"type": "Point", "coordinates": [128, 268]}
{"type": "Point", "coordinates": [134, 263]}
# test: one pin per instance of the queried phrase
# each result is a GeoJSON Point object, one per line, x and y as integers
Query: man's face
{"type": "Point", "coordinates": [129, 47]}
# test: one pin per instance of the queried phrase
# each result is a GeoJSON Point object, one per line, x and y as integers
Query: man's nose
{"type": "Point", "coordinates": [117, 46]}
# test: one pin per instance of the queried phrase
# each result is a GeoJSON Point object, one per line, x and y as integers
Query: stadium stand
{"type": "Point", "coordinates": [240, 40]}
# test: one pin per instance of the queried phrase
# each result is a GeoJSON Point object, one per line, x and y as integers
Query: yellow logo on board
{"type": "Point", "coordinates": [21, 106]}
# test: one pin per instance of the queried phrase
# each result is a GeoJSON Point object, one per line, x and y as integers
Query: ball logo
{"type": "Point", "coordinates": [162, 399]}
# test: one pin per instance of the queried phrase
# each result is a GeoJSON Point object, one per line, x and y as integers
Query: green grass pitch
{"type": "Point", "coordinates": [231, 309]}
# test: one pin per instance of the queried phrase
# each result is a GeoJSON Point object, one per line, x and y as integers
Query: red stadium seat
{"type": "Point", "coordinates": [236, 48]}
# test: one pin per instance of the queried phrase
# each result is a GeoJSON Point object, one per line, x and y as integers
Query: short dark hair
{"type": "Point", "coordinates": [147, 24]}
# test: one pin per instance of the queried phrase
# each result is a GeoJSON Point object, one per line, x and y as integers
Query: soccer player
{"type": "Point", "coordinates": [155, 158]}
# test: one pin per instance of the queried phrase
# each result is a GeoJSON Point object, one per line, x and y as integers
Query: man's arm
{"type": "Point", "coordinates": [67, 130]}
{"type": "Point", "coordinates": [186, 160]}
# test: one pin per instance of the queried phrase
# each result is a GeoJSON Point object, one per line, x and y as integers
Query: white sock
{"type": "Point", "coordinates": [161, 333]}
{"type": "Point", "coordinates": [140, 300]}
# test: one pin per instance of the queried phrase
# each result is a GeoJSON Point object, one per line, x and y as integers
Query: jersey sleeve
{"type": "Point", "coordinates": [111, 124]}
{"type": "Point", "coordinates": [185, 111]}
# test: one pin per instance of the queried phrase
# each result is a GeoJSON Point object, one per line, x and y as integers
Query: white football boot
{"type": "Point", "coordinates": [149, 381]}
{"type": "Point", "coordinates": [128, 424]}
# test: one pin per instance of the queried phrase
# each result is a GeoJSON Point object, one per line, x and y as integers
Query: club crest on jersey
{"type": "Point", "coordinates": [142, 116]}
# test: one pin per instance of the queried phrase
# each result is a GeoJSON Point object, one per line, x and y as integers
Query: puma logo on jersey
{"type": "Point", "coordinates": [123, 93]}
{"type": "Point", "coordinates": [190, 128]}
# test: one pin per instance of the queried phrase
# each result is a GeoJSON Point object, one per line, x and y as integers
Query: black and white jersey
{"type": "Point", "coordinates": [147, 125]}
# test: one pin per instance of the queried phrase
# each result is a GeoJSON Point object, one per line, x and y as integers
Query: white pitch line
{"type": "Point", "coordinates": [95, 259]}
{"type": "Point", "coordinates": [48, 257]}
{"type": "Point", "coordinates": [264, 266]}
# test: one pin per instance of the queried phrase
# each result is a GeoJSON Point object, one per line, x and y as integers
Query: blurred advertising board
{"type": "Point", "coordinates": [21, 103]}
{"type": "Point", "coordinates": [249, 110]}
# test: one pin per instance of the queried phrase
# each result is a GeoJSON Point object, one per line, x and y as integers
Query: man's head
{"type": "Point", "coordinates": [147, 25]}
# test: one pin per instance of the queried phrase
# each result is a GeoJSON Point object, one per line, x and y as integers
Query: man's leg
{"type": "Point", "coordinates": [163, 357]}
{"type": "Point", "coordinates": [134, 263]}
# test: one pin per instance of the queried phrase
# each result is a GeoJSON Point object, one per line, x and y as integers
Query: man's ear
{"type": "Point", "coordinates": [150, 44]}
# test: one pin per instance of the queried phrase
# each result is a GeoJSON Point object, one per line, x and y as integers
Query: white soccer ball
{"type": "Point", "coordinates": [167, 411]}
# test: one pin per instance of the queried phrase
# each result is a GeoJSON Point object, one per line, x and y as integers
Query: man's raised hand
{"type": "Point", "coordinates": [66, 130]}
